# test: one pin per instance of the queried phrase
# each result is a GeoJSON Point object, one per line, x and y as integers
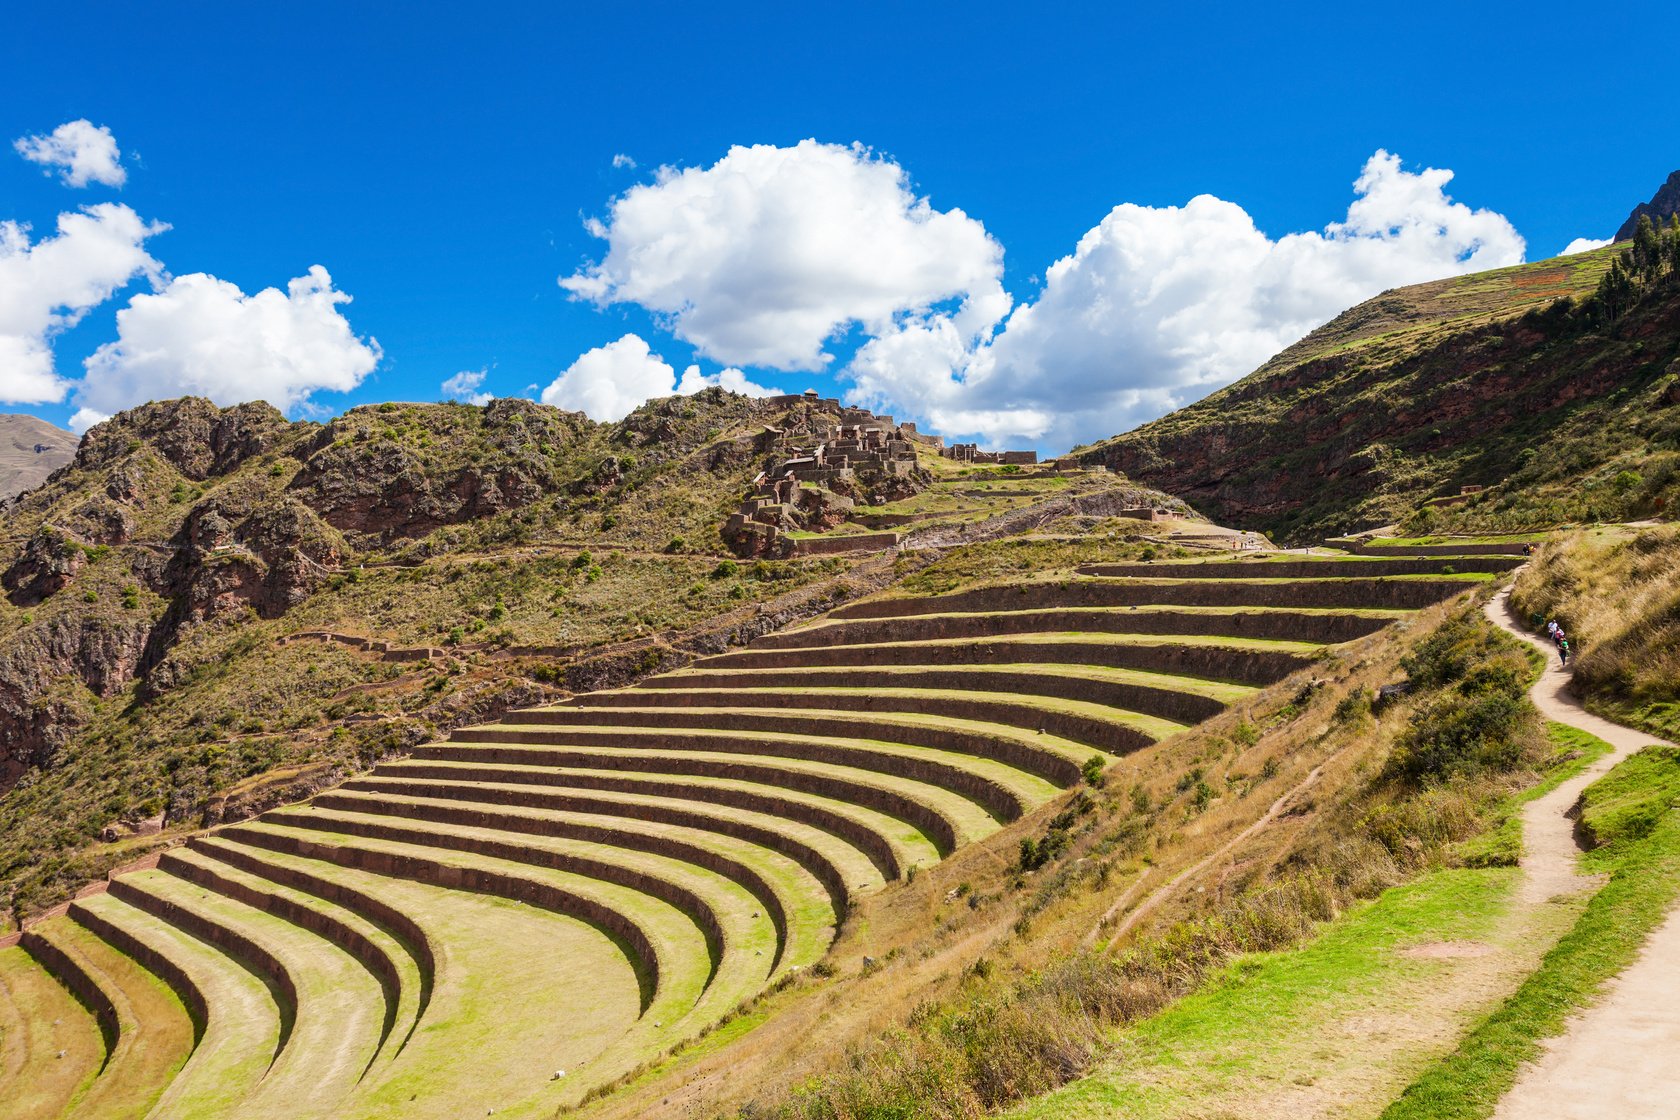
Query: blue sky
{"type": "Point", "coordinates": [440, 162]}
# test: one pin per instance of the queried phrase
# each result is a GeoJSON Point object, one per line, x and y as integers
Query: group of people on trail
{"type": "Point", "coordinates": [1559, 639]}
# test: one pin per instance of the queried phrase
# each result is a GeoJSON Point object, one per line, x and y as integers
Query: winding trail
{"type": "Point", "coordinates": [1620, 1058]}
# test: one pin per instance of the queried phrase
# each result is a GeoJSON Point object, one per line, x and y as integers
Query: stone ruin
{"type": "Point", "coordinates": [813, 485]}
{"type": "Point", "coordinates": [971, 453]}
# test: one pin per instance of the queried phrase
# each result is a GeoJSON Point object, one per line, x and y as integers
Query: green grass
{"type": "Point", "coordinates": [38, 1021]}
{"type": "Point", "coordinates": [239, 1040]}
{"type": "Point", "coordinates": [1247, 1026]}
{"type": "Point", "coordinates": [1501, 846]}
{"type": "Point", "coordinates": [1644, 883]}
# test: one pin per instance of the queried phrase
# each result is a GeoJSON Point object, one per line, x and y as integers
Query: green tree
{"type": "Point", "coordinates": [1616, 291]}
{"type": "Point", "coordinates": [1646, 252]}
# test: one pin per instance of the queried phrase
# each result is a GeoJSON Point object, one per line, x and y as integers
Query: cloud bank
{"type": "Point", "coordinates": [48, 286]}
{"type": "Point", "coordinates": [1584, 245]}
{"type": "Point", "coordinates": [80, 151]}
{"type": "Point", "coordinates": [771, 254]}
{"type": "Point", "coordinates": [610, 381]}
{"type": "Point", "coordinates": [203, 336]}
{"type": "Point", "coordinates": [464, 386]}
{"type": "Point", "coordinates": [765, 256]}
{"type": "Point", "coordinates": [1156, 307]}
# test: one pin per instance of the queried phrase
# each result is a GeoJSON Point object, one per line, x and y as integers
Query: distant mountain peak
{"type": "Point", "coordinates": [1663, 204]}
{"type": "Point", "coordinates": [30, 450]}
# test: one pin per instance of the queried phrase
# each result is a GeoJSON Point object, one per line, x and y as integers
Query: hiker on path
{"type": "Point", "coordinates": [1563, 651]}
{"type": "Point", "coordinates": [1552, 629]}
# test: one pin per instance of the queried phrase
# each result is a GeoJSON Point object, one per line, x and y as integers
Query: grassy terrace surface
{"type": "Point", "coordinates": [149, 1033]}
{"type": "Point", "coordinates": [522, 913]}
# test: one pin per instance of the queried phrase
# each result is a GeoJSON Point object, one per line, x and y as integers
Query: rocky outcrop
{"type": "Point", "coordinates": [367, 477]}
{"type": "Point", "coordinates": [41, 671]}
{"type": "Point", "coordinates": [191, 434]}
{"type": "Point", "coordinates": [230, 555]}
{"type": "Point", "coordinates": [1663, 206]}
{"type": "Point", "coordinates": [48, 560]}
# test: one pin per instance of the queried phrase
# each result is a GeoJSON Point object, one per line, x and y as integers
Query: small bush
{"type": "Point", "coordinates": [1092, 770]}
{"type": "Point", "coordinates": [1354, 706]}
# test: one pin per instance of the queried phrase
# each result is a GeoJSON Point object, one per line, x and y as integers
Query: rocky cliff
{"type": "Point", "coordinates": [1663, 206]}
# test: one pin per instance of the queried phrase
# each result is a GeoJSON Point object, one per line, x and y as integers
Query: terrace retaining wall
{"type": "Point", "coordinates": [174, 977]}
{"type": "Point", "coordinates": [653, 844]}
{"type": "Point", "coordinates": [930, 821]}
{"type": "Point", "coordinates": [1400, 594]}
{"type": "Point", "coordinates": [625, 933]}
{"type": "Point", "coordinates": [994, 798]}
{"type": "Point", "coordinates": [407, 932]}
{"type": "Point", "coordinates": [1229, 663]}
{"type": "Point", "coordinates": [1305, 569]}
{"type": "Point", "coordinates": [249, 952]}
{"type": "Point", "coordinates": [1162, 701]}
{"type": "Point", "coordinates": [1295, 626]}
{"type": "Point", "coordinates": [366, 952]}
{"type": "Point", "coordinates": [68, 971]}
{"type": "Point", "coordinates": [1503, 549]}
{"type": "Point", "coordinates": [807, 857]}
{"type": "Point", "coordinates": [1093, 731]}
{"type": "Point", "coordinates": [678, 897]}
{"type": "Point", "coordinates": [858, 835]}
{"type": "Point", "coordinates": [1033, 757]}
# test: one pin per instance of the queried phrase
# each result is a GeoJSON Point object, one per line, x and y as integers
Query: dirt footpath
{"type": "Point", "coordinates": [1620, 1058]}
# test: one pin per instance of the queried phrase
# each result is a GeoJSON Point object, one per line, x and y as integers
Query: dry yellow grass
{"type": "Point", "coordinates": [1616, 591]}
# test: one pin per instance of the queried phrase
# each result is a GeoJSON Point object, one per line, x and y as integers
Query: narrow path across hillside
{"type": "Point", "coordinates": [1617, 1058]}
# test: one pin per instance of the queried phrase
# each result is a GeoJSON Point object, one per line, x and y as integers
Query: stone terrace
{"type": "Point", "coordinates": [534, 907]}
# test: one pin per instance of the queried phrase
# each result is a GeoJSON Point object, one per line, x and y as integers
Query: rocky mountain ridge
{"type": "Point", "coordinates": [1504, 398]}
{"type": "Point", "coordinates": [1663, 206]}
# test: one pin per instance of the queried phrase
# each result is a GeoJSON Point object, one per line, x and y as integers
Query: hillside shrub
{"type": "Point", "coordinates": [1474, 715]}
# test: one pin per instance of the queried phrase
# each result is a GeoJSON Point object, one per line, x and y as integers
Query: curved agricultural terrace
{"type": "Point", "coordinates": [508, 919]}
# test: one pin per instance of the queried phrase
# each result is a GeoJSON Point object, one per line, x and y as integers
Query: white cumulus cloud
{"type": "Point", "coordinates": [622, 162]}
{"type": "Point", "coordinates": [608, 381]}
{"type": "Point", "coordinates": [765, 256]}
{"type": "Point", "coordinates": [464, 386]}
{"type": "Point", "coordinates": [1584, 245]}
{"type": "Point", "coordinates": [731, 379]}
{"type": "Point", "coordinates": [48, 286]}
{"type": "Point", "coordinates": [84, 418]}
{"type": "Point", "coordinates": [1155, 307]}
{"type": "Point", "coordinates": [201, 335]}
{"type": "Point", "coordinates": [81, 151]}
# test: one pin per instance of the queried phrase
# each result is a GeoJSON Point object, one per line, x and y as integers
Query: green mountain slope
{"type": "Point", "coordinates": [1511, 380]}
